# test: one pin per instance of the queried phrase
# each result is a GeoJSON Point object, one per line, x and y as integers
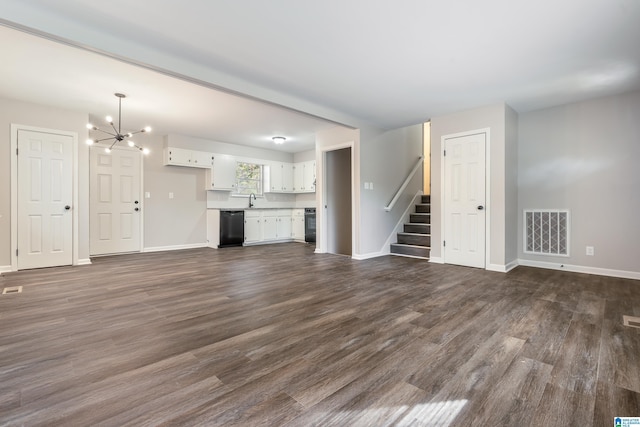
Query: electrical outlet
{"type": "Point", "coordinates": [366, 185]}
{"type": "Point", "coordinates": [590, 250]}
{"type": "Point", "coordinates": [371, 186]}
{"type": "Point", "coordinates": [171, 195]}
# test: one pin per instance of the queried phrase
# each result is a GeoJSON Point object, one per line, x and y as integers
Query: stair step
{"type": "Point", "coordinates": [410, 250]}
{"type": "Point", "coordinates": [423, 218]}
{"type": "Point", "coordinates": [417, 228]}
{"type": "Point", "coordinates": [423, 208]}
{"type": "Point", "coordinates": [426, 198]}
{"type": "Point", "coordinates": [417, 239]}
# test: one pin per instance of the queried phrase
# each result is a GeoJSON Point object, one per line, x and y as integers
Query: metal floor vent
{"type": "Point", "coordinates": [634, 322]}
{"type": "Point", "coordinates": [12, 290]}
{"type": "Point", "coordinates": [546, 232]}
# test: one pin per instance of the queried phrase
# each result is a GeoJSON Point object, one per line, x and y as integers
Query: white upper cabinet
{"type": "Point", "coordinates": [222, 175]}
{"type": "Point", "coordinates": [291, 178]}
{"type": "Point", "coordinates": [280, 178]}
{"type": "Point", "coordinates": [304, 177]}
{"type": "Point", "coordinates": [190, 158]}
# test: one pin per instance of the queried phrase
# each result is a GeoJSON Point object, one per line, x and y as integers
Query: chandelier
{"type": "Point", "coordinates": [117, 134]}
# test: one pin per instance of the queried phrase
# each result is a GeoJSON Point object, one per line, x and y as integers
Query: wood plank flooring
{"type": "Point", "coordinates": [279, 336]}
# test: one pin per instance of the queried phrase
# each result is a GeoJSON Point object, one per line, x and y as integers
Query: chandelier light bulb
{"type": "Point", "coordinates": [147, 129]}
{"type": "Point", "coordinates": [89, 126]}
{"type": "Point", "coordinates": [145, 151]}
{"type": "Point", "coordinates": [90, 141]}
{"type": "Point", "coordinates": [129, 135]}
{"type": "Point", "coordinates": [131, 143]}
{"type": "Point", "coordinates": [109, 119]}
{"type": "Point", "coordinates": [107, 150]}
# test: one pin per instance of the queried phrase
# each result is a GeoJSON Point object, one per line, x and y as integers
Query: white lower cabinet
{"type": "Point", "coordinates": [252, 226]}
{"type": "Point", "coordinates": [297, 225]}
{"type": "Point", "coordinates": [268, 225]}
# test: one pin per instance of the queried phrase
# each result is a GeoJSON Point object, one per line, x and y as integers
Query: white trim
{"type": "Point", "coordinates": [386, 248]}
{"type": "Point", "coordinates": [487, 194]}
{"type": "Point", "coordinates": [362, 257]}
{"type": "Point", "coordinates": [581, 269]}
{"type": "Point", "coordinates": [5, 269]}
{"type": "Point", "coordinates": [14, 188]}
{"type": "Point", "coordinates": [436, 260]}
{"type": "Point", "coordinates": [173, 247]}
{"type": "Point", "coordinates": [501, 268]}
{"type": "Point", "coordinates": [84, 261]}
{"type": "Point", "coordinates": [321, 245]}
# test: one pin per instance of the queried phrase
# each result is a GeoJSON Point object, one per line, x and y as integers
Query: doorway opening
{"type": "Point", "coordinates": [338, 201]}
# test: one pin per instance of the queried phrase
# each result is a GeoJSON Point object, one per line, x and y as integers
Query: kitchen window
{"type": "Point", "coordinates": [248, 179]}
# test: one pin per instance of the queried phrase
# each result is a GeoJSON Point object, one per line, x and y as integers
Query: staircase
{"type": "Point", "coordinates": [415, 240]}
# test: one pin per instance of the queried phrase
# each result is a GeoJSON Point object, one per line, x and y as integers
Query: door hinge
{"type": "Point", "coordinates": [445, 153]}
{"type": "Point", "coordinates": [444, 243]}
{"type": "Point", "coordinates": [16, 151]}
{"type": "Point", "coordinates": [16, 252]}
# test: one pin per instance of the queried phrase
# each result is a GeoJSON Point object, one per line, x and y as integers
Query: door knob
{"type": "Point", "coordinates": [480, 207]}
{"type": "Point", "coordinates": [136, 209]}
{"type": "Point", "coordinates": [136, 202]}
{"type": "Point", "coordinates": [66, 208]}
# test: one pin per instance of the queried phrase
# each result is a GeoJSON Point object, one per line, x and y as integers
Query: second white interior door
{"type": "Point", "coordinates": [116, 205]}
{"type": "Point", "coordinates": [464, 204]}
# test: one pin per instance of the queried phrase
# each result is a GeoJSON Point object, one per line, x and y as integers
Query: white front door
{"type": "Point", "coordinates": [45, 194]}
{"type": "Point", "coordinates": [464, 210]}
{"type": "Point", "coordinates": [115, 203]}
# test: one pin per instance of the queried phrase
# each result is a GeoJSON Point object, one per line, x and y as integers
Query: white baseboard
{"type": "Point", "coordinates": [84, 261]}
{"type": "Point", "coordinates": [5, 269]}
{"type": "Point", "coordinates": [581, 269]}
{"type": "Point", "coordinates": [361, 257]}
{"type": "Point", "coordinates": [436, 260]}
{"type": "Point", "coordinates": [501, 268]}
{"type": "Point", "coordinates": [176, 247]}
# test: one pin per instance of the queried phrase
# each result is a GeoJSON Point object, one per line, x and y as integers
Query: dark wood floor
{"type": "Point", "coordinates": [277, 335]}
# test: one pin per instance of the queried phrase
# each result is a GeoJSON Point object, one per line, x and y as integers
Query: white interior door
{"type": "Point", "coordinates": [115, 203]}
{"type": "Point", "coordinates": [464, 221]}
{"type": "Point", "coordinates": [45, 194]}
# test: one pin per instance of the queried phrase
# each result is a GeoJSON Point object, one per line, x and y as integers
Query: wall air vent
{"type": "Point", "coordinates": [546, 232]}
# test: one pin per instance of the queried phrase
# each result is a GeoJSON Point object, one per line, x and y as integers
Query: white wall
{"type": "Point", "coordinates": [584, 157]}
{"type": "Point", "coordinates": [493, 117]}
{"type": "Point", "coordinates": [28, 114]}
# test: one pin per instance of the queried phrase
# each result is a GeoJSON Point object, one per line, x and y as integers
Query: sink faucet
{"type": "Point", "coordinates": [254, 199]}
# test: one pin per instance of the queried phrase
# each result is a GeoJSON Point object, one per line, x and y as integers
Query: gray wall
{"type": "Point", "coordinates": [386, 158]}
{"type": "Point", "coordinates": [178, 221]}
{"type": "Point", "coordinates": [494, 118]}
{"type": "Point", "coordinates": [28, 114]}
{"type": "Point", "coordinates": [584, 157]}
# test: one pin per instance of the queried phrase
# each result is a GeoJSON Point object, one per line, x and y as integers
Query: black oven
{"type": "Point", "coordinates": [310, 225]}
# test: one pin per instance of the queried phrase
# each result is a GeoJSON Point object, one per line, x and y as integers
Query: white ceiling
{"type": "Point", "coordinates": [389, 64]}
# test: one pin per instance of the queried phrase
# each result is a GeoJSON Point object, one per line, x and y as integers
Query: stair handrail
{"type": "Point", "coordinates": [404, 184]}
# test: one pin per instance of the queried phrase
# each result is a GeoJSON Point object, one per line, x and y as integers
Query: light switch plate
{"type": "Point", "coordinates": [147, 195]}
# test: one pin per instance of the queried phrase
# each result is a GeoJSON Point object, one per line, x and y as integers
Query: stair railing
{"type": "Point", "coordinates": [404, 184]}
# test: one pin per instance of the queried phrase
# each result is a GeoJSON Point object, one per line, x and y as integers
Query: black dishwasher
{"type": "Point", "coordinates": [231, 228]}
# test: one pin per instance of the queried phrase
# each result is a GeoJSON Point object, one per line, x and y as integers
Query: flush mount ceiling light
{"type": "Point", "coordinates": [118, 135]}
{"type": "Point", "coordinates": [279, 139]}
